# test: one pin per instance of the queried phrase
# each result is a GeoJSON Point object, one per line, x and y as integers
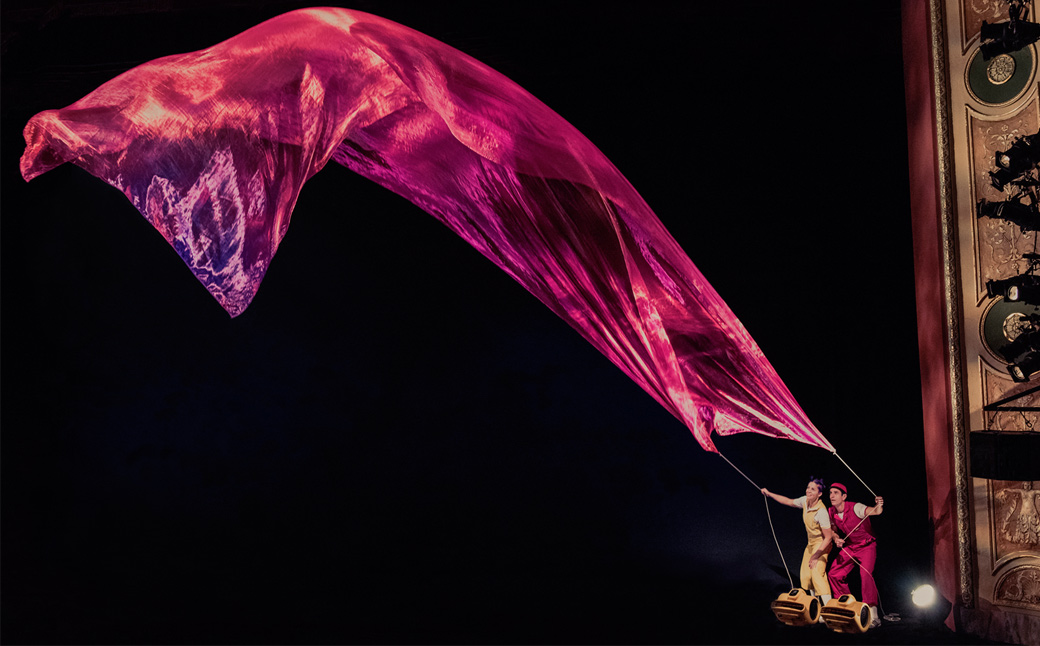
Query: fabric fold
{"type": "Point", "coordinates": [213, 147]}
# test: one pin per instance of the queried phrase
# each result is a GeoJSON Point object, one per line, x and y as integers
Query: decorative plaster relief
{"type": "Point", "coordinates": [1019, 588]}
{"type": "Point", "coordinates": [1016, 519]}
{"type": "Point", "coordinates": [1001, 244]}
{"type": "Point", "coordinates": [998, 387]}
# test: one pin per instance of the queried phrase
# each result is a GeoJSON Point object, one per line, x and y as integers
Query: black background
{"type": "Point", "coordinates": [395, 442]}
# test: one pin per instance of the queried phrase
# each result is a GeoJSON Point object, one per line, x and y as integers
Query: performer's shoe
{"type": "Point", "coordinates": [875, 620]}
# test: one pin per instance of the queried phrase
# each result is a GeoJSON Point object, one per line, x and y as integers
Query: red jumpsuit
{"type": "Point", "coordinates": [860, 544]}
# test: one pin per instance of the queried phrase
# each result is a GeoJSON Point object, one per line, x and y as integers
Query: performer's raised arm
{"type": "Point", "coordinates": [783, 500]}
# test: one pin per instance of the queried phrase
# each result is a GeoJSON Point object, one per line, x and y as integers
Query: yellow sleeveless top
{"type": "Point", "coordinates": [812, 526]}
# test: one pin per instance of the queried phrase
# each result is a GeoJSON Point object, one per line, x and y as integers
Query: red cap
{"type": "Point", "coordinates": [838, 485]}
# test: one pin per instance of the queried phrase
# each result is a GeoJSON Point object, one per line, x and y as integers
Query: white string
{"type": "Point", "coordinates": [765, 499]}
{"type": "Point", "coordinates": [740, 472]}
{"type": "Point", "coordinates": [852, 558]}
{"type": "Point", "coordinates": [855, 474]}
{"type": "Point", "coordinates": [768, 516]}
{"type": "Point", "coordinates": [881, 610]}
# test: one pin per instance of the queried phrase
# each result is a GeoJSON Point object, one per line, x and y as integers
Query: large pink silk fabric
{"type": "Point", "coordinates": [213, 147]}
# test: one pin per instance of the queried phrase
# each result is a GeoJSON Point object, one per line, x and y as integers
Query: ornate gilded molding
{"type": "Point", "coordinates": [948, 217]}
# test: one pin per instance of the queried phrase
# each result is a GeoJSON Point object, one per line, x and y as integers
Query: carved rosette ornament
{"type": "Point", "coordinates": [1014, 325]}
{"type": "Point", "coordinates": [1000, 70]}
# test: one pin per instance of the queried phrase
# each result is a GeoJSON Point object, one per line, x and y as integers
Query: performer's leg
{"type": "Point", "coordinates": [839, 573]}
{"type": "Point", "coordinates": [804, 576]}
{"type": "Point", "coordinates": [819, 579]}
{"type": "Point", "coordinates": [867, 556]}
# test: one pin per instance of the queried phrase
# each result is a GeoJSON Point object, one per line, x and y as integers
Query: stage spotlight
{"type": "Point", "coordinates": [1001, 178]}
{"type": "Point", "coordinates": [1023, 344]}
{"type": "Point", "coordinates": [929, 606]}
{"type": "Point", "coordinates": [1010, 36]}
{"type": "Point", "coordinates": [1026, 293]}
{"type": "Point", "coordinates": [923, 596]}
{"type": "Point", "coordinates": [1025, 216]}
{"type": "Point", "coordinates": [1006, 161]}
{"type": "Point", "coordinates": [1022, 156]}
{"type": "Point", "coordinates": [1021, 288]}
{"type": "Point", "coordinates": [1023, 355]}
{"type": "Point", "coordinates": [1023, 368]}
{"type": "Point", "coordinates": [998, 286]}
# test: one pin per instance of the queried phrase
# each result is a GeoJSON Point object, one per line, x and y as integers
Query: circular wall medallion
{"type": "Point", "coordinates": [1000, 69]}
{"type": "Point", "coordinates": [1003, 322]}
{"type": "Point", "coordinates": [1014, 325]}
{"type": "Point", "coordinates": [1001, 79]}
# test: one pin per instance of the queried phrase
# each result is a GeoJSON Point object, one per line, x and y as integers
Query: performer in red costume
{"type": "Point", "coordinates": [857, 542]}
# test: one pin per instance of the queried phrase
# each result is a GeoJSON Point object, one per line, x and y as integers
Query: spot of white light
{"type": "Point", "coordinates": [923, 596]}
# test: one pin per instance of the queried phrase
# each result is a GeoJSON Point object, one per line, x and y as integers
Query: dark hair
{"type": "Point", "coordinates": [819, 484]}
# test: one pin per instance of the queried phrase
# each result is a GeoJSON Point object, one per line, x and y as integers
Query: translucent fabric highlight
{"type": "Point", "coordinates": [213, 148]}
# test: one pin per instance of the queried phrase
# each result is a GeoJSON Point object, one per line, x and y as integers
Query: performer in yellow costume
{"type": "Point", "coordinates": [813, 573]}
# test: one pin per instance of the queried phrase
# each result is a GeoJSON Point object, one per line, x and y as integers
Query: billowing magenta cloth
{"type": "Point", "coordinates": [214, 146]}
